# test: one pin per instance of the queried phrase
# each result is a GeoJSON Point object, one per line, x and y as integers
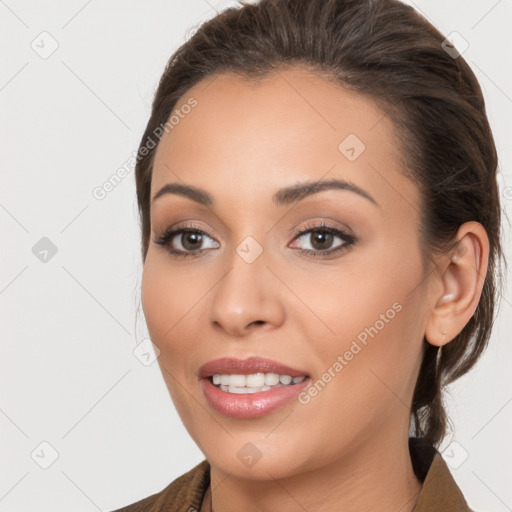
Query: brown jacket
{"type": "Point", "coordinates": [439, 493]}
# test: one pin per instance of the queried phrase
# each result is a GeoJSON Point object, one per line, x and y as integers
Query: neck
{"type": "Point", "coordinates": [376, 476]}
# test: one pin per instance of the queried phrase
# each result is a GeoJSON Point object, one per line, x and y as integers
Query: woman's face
{"type": "Point", "coordinates": [263, 277]}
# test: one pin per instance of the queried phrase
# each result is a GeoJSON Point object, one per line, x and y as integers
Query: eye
{"type": "Point", "coordinates": [186, 241]}
{"type": "Point", "coordinates": [323, 240]}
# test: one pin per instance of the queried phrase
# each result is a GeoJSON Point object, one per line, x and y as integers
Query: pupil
{"type": "Point", "coordinates": [194, 236]}
{"type": "Point", "coordinates": [322, 237]}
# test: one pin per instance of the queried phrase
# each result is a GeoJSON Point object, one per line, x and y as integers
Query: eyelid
{"type": "Point", "coordinates": [293, 232]}
{"type": "Point", "coordinates": [177, 228]}
{"type": "Point", "coordinates": [319, 224]}
{"type": "Point", "coordinates": [183, 225]}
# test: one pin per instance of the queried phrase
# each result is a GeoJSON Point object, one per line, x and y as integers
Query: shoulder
{"type": "Point", "coordinates": [184, 494]}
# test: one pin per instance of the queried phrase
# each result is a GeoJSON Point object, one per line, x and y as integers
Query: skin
{"type": "Point", "coordinates": [347, 448]}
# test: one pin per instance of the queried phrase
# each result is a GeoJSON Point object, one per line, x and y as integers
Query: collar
{"type": "Point", "coordinates": [440, 492]}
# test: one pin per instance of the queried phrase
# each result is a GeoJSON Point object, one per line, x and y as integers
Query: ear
{"type": "Point", "coordinates": [460, 281]}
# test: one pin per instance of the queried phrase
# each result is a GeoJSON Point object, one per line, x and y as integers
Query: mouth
{"type": "Point", "coordinates": [249, 388]}
{"type": "Point", "coordinates": [251, 372]}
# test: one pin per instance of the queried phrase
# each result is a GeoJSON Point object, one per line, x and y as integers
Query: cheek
{"type": "Point", "coordinates": [372, 315]}
{"type": "Point", "coordinates": [166, 302]}
{"type": "Point", "coordinates": [347, 303]}
{"type": "Point", "coordinates": [157, 302]}
{"type": "Point", "coordinates": [168, 296]}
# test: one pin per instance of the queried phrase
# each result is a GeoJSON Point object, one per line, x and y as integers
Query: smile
{"type": "Point", "coordinates": [253, 382]}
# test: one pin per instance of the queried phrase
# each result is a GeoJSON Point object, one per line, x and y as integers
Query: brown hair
{"type": "Point", "coordinates": [387, 51]}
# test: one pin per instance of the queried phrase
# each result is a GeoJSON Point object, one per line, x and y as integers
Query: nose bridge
{"type": "Point", "coordinates": [247, 293]}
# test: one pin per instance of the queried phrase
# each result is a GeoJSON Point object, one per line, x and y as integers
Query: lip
{"type": "Point", "coordinates": [249, 405]}
{"type": "Point", "coordinates": [233, 366]}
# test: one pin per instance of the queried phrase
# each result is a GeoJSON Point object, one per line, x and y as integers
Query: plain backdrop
{"type": "Point", "coordinates": [86, 425]}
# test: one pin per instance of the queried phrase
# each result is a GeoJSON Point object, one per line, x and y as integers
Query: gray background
{"type": "Point", "coordinates": [70, 318]}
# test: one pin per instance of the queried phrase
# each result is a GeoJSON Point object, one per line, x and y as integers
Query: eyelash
{"type": "Point", "coordinates": [322, 227]}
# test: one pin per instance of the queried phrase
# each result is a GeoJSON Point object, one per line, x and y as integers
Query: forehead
{"type": "Point", "coordinates": [253, 137]}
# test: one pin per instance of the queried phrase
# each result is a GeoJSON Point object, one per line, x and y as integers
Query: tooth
{"type": "Point", "coordinates": [237, 381]}
{"type": "Point", "coordinates": [238, 390]}
{"type": "Point", "coordinates": [252, 381]}
{"type": "Point", "coordinates": [271, 379]}
{"type": "Point", "coordinates": [255, 380]}
{"type": "Point", "coordinates": [252, 390]}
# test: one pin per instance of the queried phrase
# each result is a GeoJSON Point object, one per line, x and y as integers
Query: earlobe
{"type": "Point", "coordinates": [461, 278]}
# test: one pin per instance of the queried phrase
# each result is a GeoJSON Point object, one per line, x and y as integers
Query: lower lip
{"type": "Point", "coordinates": [251, 405]}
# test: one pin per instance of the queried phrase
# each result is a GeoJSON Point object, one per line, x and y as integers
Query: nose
{"type": "Point", "coordinates": [247, 297]}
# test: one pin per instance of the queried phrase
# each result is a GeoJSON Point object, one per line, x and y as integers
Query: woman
{"type": "Point", "coordinates": [320, 236]}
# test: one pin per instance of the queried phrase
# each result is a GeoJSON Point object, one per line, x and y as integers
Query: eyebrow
{"type": "Point", "coordinates": [282, 197]}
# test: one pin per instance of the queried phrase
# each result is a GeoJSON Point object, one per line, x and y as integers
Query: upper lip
{"type": "Point", "coordinates": [232, 366]}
